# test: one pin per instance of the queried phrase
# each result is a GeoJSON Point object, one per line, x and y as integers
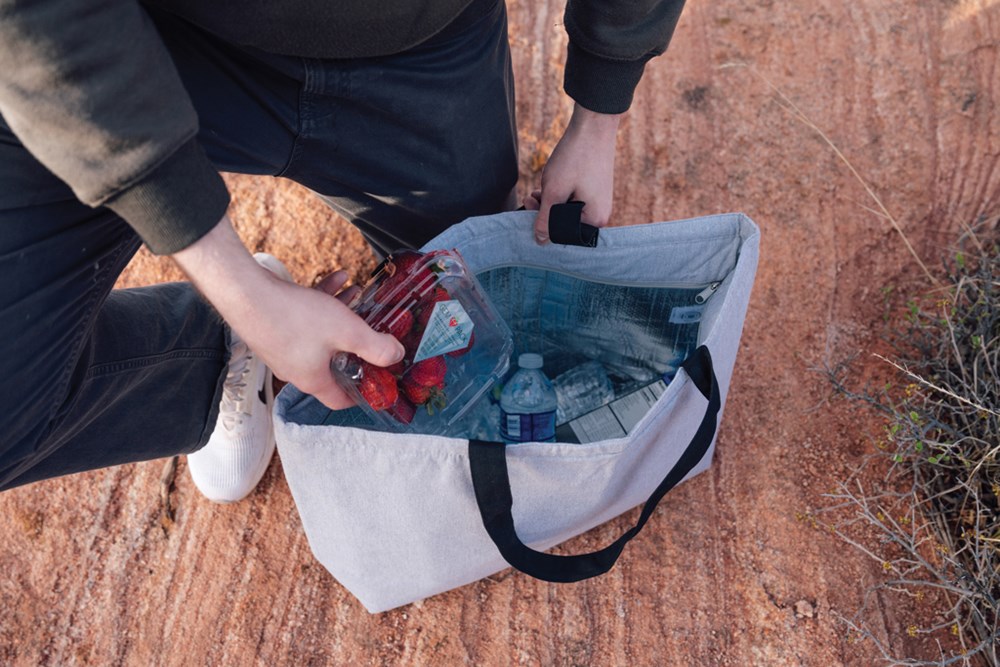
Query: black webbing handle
{"type": "Point", "coordinates": [567, 228]}
{"type": "Point", "coordinates": [488, 464]}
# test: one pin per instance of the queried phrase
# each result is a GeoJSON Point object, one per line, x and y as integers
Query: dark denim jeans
{"type": "Point", "coordinates": [403, 146]}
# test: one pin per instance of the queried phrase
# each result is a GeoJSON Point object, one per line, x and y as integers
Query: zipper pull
{"type": "Point", "coordinates": [704, 295]}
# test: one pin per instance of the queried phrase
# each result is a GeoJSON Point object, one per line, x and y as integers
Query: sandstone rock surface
{"type": "Point", "coordinates": [92, 572]}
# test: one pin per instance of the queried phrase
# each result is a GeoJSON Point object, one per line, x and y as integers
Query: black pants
{"type": "Point", "coordinates": [403, 146]}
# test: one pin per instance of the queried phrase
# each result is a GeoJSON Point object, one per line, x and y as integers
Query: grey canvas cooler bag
{"type": "Point", "coordinates": [397, 518]}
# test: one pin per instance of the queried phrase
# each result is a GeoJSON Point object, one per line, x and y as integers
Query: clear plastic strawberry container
{"type": "Point", "coordinates": [457, 346]}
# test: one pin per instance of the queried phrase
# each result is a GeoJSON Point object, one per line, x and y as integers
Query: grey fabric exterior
{"type": "Point", "coordinates": [394, 518]}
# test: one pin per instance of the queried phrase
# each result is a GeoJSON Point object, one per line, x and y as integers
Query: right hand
{"type": "Point", "coordinates": [294, 329]}
{"type": "Point", "coordinates": [581, 167]}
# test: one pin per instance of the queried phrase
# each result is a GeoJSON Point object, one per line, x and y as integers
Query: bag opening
{"type": "Point", "coordinates": [638, 333]}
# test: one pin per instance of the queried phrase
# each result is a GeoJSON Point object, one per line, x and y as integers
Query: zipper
{"type": "Point", "coordinates": [704, 295]}
{"type": "Point", "coordinates": [707, 289]}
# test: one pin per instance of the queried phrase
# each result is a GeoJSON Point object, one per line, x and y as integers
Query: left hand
{"type": "Point", "coordinates": [582, 167]}
{"type": "Point", "coordinates": [296, 331]}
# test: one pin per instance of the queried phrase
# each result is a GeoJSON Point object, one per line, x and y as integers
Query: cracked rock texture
{"type": "Point", "coordinates": [95, 571]}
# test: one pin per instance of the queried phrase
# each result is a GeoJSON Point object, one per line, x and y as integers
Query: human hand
{"type": "Point", "coordinates": [294, 329]}
{"type": "Point", "coordinates": [581, 167]}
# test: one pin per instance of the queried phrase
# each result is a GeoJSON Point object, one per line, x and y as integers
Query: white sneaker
{"type": "Point", "coordinates": [237, 454]}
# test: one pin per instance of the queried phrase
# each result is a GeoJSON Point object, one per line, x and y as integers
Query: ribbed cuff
{"type": "Point", "coordinates": [603, 86]}
{"type": "Point", "coordinates": [177, 203]}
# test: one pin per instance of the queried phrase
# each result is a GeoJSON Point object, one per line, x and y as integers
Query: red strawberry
{"type": "Point", "coordinates": [428, 372]}
{"type": "Point", "coordinates": [411, 342]}
{"type": "Point", "coordinates": [425, 316]}
{"type": "Point", "coordinates": [398, 324]}
{"type": "Point", "coordinates": [405, 260]}
{"type": "Point", "coordinates": [433, 296]}
{"type": "Point", "coordinates": [418, 394]}
{"type": "Point", "coordinates": [458, 353]}
{"type": "Point", "coordinates": [438, 401]}
{"type": "Point", "coordinates": [426, 305]}
{"type": "Point", "coordinates": [406, 275]}
{"type": "Point", "coordinates": [402, 410]}
{"type": "Point", "coordinates": [378, 386]}
{"type": "Point", "coordinates": [412, 272]}
{"type": "Point", "coordinates": [391, 291]}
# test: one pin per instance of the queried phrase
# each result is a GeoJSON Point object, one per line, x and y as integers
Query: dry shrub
{"type": "Point", "coordinates": [933, 520]}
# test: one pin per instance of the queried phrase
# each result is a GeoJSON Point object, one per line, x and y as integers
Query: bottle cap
{"type": "Point", "coordinates": [530, 360]}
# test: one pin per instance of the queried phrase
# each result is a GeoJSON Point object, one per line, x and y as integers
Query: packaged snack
{"type": "Point", "coordinates": [457, 346]}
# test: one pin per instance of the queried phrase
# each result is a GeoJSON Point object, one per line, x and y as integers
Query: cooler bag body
{"type": "Point", "coordinates": [398, 518]}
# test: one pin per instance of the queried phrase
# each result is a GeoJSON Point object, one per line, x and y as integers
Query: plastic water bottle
{"type": "Point", "coordinates": [482, 422]}
{"type": "Point", "coordinates": [528, 404]}
{"type": "Point", "coordinates": [582, 389]}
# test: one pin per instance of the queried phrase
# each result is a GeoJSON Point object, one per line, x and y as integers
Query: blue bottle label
{"type": "Point", "coordinates": [538, 427]}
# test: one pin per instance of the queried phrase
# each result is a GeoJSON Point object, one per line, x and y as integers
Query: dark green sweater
{"type": "Point", "coordinates": [89, 89]}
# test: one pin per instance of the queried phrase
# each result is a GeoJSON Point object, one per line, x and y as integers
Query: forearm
{"type": "Point", "coordinates": [610, 42]}
{"type": "Point", "coordinates": [222, 269]}
{"type": "Point", "coordinates": [294, 329]}
{"type": "Point", "coordinates": [601, 128]}
{"type": "Point", "coordinates": [581, 167]}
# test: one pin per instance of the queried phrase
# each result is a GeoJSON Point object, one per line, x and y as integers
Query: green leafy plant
{"type": "Point", "coordinates": [933, 520]}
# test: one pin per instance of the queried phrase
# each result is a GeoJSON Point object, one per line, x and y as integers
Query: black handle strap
{"type": "Point", "coordinates": [565, 226]}
{"type": "Point", "coordinates": [488, 464]}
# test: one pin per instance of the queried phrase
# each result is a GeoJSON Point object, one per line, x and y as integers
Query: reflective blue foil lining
{"type": "Point", "coordinates": [570, 320]}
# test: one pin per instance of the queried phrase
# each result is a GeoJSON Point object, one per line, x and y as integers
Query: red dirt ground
{"type": "Point", "coordinates": [907, 91]}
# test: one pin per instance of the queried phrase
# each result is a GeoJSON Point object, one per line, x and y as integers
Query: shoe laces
{"type": "Point", "coordinates": [235, 407]}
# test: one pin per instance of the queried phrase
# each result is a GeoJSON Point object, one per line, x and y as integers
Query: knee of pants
{"type": "Point", "coordinates": [62, 259]}
{"type": "Point", "coordinates": [144, 382]}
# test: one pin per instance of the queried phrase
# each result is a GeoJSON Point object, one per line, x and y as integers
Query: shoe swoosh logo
{"type": "Point", "coordinates": [261, 394]}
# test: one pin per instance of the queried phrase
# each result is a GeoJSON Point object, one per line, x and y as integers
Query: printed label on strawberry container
{"type": "Point", "coordinates": [448, 329]}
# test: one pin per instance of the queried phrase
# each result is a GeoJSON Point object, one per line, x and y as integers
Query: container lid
{"type": "Point", "coordinates": [434, 305]}
{"type": "Point", "coordinates": [530, 360]}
